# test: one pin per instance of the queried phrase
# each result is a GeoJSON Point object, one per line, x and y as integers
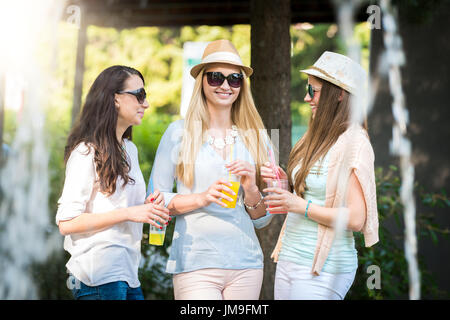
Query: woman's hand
{"type": "Point", "coordinates": [214, 193]}
{"type": "Point", "coordinates": [149, 213]}
{"type": "Point", "coordinates": [246, 171]}
{"type": "Point", "coordinates": [284, 201]}
{"type": "Point", "coordinates": [156, 197]}
{"type": "Point", "coordinates": [268, 172]}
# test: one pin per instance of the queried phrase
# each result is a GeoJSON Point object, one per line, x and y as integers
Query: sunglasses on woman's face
{"type": "Point", "coordinates": [215, 79]}
{"type": "Point", "coordinates": [311, 90]}
{"type": "Point", "coordinates": [140, 94]}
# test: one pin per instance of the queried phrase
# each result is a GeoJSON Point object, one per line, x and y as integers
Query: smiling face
{"type": "Point", "coordinates": [313, 101]}
{"type": "Point", "coordinates": [130, 110]}
{"type": "Point", "coordinates": [224, 95]}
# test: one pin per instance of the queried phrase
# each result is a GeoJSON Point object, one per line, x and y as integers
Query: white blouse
{"type": "Point", "coordinates": [112, 254]}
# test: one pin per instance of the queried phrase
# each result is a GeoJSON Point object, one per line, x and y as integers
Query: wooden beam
{"type": "Point", "coordinates": [175, 13]}
{"type": "Point", "coordinates": [271, 82]}
{"type": "Point", "coordinates": [79, 68]}
{"type": "Point", "coordinates": [2, 115]}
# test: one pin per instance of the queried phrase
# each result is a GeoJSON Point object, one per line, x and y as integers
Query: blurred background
{"type": "Point", "coordinates": [88, 36]}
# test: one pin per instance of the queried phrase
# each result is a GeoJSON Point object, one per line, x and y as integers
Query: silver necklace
{"type": "Point", "coordinates": [220, 143]}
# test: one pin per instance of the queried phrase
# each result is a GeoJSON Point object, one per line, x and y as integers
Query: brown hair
{"type": "Point", "coordinates": [96, 126]}
{"type": "Point", "coordinates": [331, 119]}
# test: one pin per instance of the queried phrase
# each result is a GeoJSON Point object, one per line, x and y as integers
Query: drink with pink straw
{"type": "Point", "coordinates": [276, 183]}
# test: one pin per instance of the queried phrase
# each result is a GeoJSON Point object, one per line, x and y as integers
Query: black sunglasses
{"type": "Point", "coordinates": [216, 79]}
{"type": "Point", "coordinates": [140, 94]}
{"type": "Point", "coordinates": [311, 91]}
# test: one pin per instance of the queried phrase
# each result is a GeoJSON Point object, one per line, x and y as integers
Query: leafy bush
{"type": "Point", "coordinates": [388, 253]}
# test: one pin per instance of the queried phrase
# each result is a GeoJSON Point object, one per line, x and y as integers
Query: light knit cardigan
{"type": "Point", "coordinates": [351, 151]}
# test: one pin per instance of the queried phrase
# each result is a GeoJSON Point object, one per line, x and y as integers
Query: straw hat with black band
{"type": "Point", "coordinates": [221, 51]}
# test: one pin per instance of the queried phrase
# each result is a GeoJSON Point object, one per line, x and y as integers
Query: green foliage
{"type": "Point", "coordinates": [388, 253]}
{"type": "Point", "coordinates": [308, 43]}
{"type": "Point", "coordinates": [146, 137]}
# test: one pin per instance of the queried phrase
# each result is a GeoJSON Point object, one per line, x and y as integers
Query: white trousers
{"type": "Point", "coordinates": [295, 282]}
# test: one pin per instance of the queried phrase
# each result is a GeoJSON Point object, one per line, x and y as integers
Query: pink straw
{"type": "Point", "coordinates": [272, 158]}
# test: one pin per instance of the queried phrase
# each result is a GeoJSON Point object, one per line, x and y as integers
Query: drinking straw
{"type": "Point", "coordinates": [231, 159]}
{"type": "Point", "coordinates": [151, 185]}
{"type": "Point", "coordinates": [274, 166]}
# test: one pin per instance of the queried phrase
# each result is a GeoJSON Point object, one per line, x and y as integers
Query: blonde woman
{"type": "Point", "coordinates": [215, 253]}
{"type": "Point", "coordinates": [331, 157]}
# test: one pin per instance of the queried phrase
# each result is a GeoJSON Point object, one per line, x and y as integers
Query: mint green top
{"type": "Point", "coordinates": [300, 236]}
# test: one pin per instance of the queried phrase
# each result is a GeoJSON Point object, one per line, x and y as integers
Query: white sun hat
{"type": "Point", "coordinates": [220, 51]}
{"type": "Point", "coordinates": [339, 70]}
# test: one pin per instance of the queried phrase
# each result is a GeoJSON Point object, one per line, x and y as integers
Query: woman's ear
{"type": "Point", "coordinates": [341, 96]}
{"type": "Point", "coordinates": [116, 101]}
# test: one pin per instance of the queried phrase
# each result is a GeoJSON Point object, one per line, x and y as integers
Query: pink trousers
{"type": "Point", "coordinates": [218, 284]}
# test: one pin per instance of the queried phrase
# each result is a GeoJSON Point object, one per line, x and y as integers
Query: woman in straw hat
{"type": "Point", "coordinates": [215, 253]}
{"type": "Point", "coordinates": [331, 172]}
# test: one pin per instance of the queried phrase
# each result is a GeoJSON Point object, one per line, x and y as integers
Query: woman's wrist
{"type": "Point", "coordinates": [125, 214]}
{"type": "Point", "coordinates": [300, 206]}
{"type": "Point", "coordinates": [252, 190]}
{"type": "Point", "coordinates": [252, 198]}
{"type": "Point", "coordinates": [201, 200]}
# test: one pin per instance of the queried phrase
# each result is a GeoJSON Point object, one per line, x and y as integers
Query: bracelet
{"type": "Point", "coordinates": [256, 205]}
{"type": "Point", "coordinates": [306, 211]}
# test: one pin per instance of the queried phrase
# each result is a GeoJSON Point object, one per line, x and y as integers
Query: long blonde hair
{"type": "Point", "coordinates": [243, 114]}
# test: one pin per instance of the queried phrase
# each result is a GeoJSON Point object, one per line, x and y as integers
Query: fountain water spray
{"type": "Point", "coordinates": [400, 145]}
{"type": "Point", "coordinates": [361, 106]}
{"type": "Point", "coordinates": [25, 233]}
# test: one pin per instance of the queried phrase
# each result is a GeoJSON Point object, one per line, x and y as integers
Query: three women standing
{"type": "Point", "coordinates": [215, 253]}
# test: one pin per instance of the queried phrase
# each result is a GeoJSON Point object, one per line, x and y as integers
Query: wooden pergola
{"type": "Point", "coordinates": [122, 14]}
{"type": "Point", "coordinates": [270, 22]}
{"type": "Point", "coordinates": [136, 13]}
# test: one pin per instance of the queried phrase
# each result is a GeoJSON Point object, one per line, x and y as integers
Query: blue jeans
{"type": "Point", "coordinates": [118, 290]}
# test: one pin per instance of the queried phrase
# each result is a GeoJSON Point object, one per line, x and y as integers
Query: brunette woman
{"type": "Point", "coordinates": [101, 211]}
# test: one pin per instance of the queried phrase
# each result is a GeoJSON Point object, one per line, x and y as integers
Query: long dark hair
{"type": "Point", "coordinates": [96, 126]}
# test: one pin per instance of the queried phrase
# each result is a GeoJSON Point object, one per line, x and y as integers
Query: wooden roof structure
{"type": "Point", "coordinates": [134, 13]}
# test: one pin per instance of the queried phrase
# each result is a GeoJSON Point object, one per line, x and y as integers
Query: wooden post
{"type": "Point", "coordinates": [2, 114]}
{"type": "Point", "coordinates": [271, 80]}
{"type": "Point", "coordinates": [79, 69]}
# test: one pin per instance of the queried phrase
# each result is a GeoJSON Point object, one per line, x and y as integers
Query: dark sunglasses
{"type": "Point", "coordinates": [140, 94]}
{"type": "Point", "coordinates": [310, 90]}
{"type": "Point", "coordinates": [215, 79]}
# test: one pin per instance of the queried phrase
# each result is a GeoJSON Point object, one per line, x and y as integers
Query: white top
{"type": "Point", "coordinates": [112, 254]}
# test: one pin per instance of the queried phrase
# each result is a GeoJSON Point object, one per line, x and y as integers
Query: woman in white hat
{"type": "Point", "coordinates": [215, 253]}
{"type": "Point", "coordinates": [331, 172]}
